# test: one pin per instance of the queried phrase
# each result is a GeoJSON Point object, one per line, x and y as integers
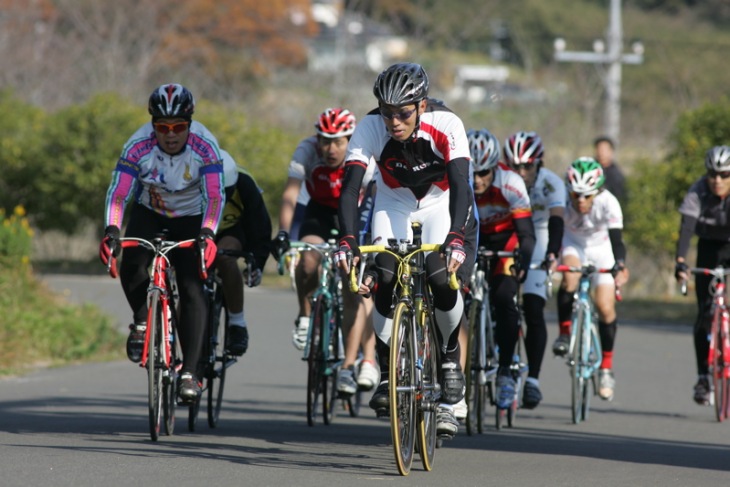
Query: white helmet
{"type": "Point", "coordinates": [718, 158]}
{"type": "Point", "coordinates": [484, 149]}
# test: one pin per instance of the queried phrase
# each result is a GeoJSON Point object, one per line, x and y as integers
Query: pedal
{"type": "Point", "coordinates": [445, 436]}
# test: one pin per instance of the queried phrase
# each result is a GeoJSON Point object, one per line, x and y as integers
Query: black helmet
{"type": "Point", "coordinates": [171, 101]}
{"type": "Point", "coordinates": [401, 84]}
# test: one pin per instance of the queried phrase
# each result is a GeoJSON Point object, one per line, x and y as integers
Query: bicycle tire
{"type": "Point", "coordinates": [719, 379]}
{"type": "Point", "coordinates": [429, 394]}
{"type": "Point", "coordinates": [155, 363]}
{"type": "Point", "coordinates": [314, 363]}
{"type": "Point", "coordinates": [578, 382]}
{"type": "Point", "coordinates": [218, 359]}
{"type": "Point", "coordinates": [472, 374]}
{"type": "Point", "coordinates": [401, 378]}
{"type": "Point", "coordinates": [169, 399]}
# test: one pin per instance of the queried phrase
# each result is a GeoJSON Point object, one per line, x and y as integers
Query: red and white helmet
{"type": "Point", "coordinates": [336, 122]}
{"type": "Point", "coordinates": [523, 148]}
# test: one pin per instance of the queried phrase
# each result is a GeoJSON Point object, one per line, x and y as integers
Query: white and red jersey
{"type": "Point", "coordinates": [323, 183]}
{"type": "Point", "coordinates": [591, 229]}
{"type": "Point", "coordinates": [188, 183]}
{"type": "Point", "coordinates": [505, 200]}
{"type": "Point", "coordinates": [411, 173]}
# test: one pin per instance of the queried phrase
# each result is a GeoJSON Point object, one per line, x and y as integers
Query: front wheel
{"type": "Point", "coordinates": [315, 364]}
{"type": "Point", "coordinates": [719, 370]}
{"type": "Point", "coordinates": [401, 383]}
{"type": "Point", "coordinates": [471, 369]}
{"type": "Point", "coordinates": [429, 391]}
{"type": "Point", "coordinates": [217, 364]}
{"type": "Point", "coordinates": [155, 363]}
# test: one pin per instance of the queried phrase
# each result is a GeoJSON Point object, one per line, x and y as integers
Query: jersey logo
{"type": "Point", "coordinates": [187, 176]}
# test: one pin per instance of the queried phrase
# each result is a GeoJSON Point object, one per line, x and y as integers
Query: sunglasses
{"type": "Point", "coordinates": [714, 174]}
{"type": "Point", "coordinates": [483, 174]}
{"type": "Point", "coordinates": [166, 128]}
{"type": "Point", "coordinates": [582, 196]}
{"type": "Point", "coordinates": [527, 165]}
{"type": "Point", "coordinates": [402, 115]}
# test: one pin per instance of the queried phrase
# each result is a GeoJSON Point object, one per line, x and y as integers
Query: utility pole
{"type": "Point", "coordinates": [613, 58]}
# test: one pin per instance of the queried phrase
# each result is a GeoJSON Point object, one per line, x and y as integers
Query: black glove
{"type": "Point", "coordinates": [108, 246]}
{"type": "Point", "coordinates": [347, 244]}
{"type": "Point", "coordinates": [618, 267]}
{"type": "Point", "coordinates": [280, 244]}
{"type": "Point", "coordinates": [455, 242]}
{"type": "Point", "coordinates": [680, 267]}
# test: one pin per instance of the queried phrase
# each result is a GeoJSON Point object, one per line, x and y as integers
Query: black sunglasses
{"type": "Point", "coordinates": [713, 174]}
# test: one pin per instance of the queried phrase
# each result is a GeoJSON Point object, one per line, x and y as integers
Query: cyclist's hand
{"type": "Point", "coordinates": [280, 244]}
{"type": "Point", "coordinates": [108, 248]}
{"type": "Point", "coordinates": [550, 263]}
{"type": "Point", "coordinates": [208, 250]}
{"type": "Point", "coordinates": [253, 276]}
{"type": "Point", "coordinates": [681, 271]}
{"type": "Point", "coordinates": [620, 273]}
{"type": "Point", "coordinates": [455, 243]}
{"type": "Point", "coordinates": [348, 245]}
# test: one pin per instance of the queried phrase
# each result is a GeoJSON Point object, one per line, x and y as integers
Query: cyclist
{"type": "Point", "coordinates": [172, 166]}
{"type": "Point", "coordinates": [704, 213]}
{"type": "Point", "coordinates": [245, 225]}
{"type": "Point", "coordinates": [593, 223]}
{"type": "Point", "coordinates": [503, 206]}
{"type": "Point", "coordinates": [524, 152]}
{"type": "Point", "coordinates": [319, 162]}
{"type": "Point", "coordinates": [421, 151]}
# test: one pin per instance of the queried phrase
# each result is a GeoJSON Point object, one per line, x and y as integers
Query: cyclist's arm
{"type": "Point", "coordinates": [556, 225]}
{"type": "Point", "coordinates": [686, 230]}
{"type": "Point", "coordinates": [461, 198]}
{"type": "Point", "coordinates": [347, 211]}
{"type": "Point", "coordinates": [122, 187]}
{"type": "Point", "coordinates": [289, 202]}
{"type": "Point", "coordinates": [617, 244]}
{"type": "Point", "coordinates": [525, 229]}
{"type": "Point", "coordinates": [256, 220]}
{"type": "Point", "coordinates": [213, 195]}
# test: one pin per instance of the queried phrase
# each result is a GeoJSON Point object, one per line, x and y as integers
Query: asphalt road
{"type": "Point", "coordinates": [86, 425]}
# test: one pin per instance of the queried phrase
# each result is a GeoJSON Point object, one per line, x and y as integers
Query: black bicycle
{"type": "Point", "coordinates": [215, 358]}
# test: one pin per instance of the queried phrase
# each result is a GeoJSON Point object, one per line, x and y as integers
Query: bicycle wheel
{"type": "Point", "coordinates": [471, 368]}
{"type": "Point", "coordinates": [519, 370]}
{"type": "Point", "coordinates": [578, 381]}
{"type": "Point", "coordinates": [719, 373]}
{"type": "Point", "coordinates": [429, 392]}
{"type": "Point", "coordinates": [218, 361]}
{"type": "Point", "coordinates": [401, 380]}
{"type": "Point", "coordinates": [155, 363]}
{"type": "Point", "coordinates": [315, 364]}
{"type": "Point", "coordinates": [169, 382]}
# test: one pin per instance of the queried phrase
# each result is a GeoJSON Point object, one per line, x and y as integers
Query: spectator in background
{"type": "Point", "coordinates": [605, 155]}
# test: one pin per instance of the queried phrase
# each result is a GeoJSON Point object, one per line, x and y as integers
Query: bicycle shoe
{"type": "Point", "coordinates": [188, 388]}
{"type": "Point", "coordinates": [446, 423]}
{"type": "Point", "coordinates": [505, 389]}
{"type": "Point", "coordinates": [346, 385]}
{"type": "Point", "coordinates": [299, 335]}
{"type": "Point", "coordinates": [453, 385]}
{"type": "Point", "coordinates": [368, 376]}
{"type": "Point", "coordinates": [606, 384]}
{"type": "Point", "coordinates": [461, 410]}
{"type": "Point", "coordinates": [702, 392]}
{"type": "Point", "coordinates": [531, 396]}
{"type": "Point", "coordinates": [237, 340]}
{"type": "Point", "coordinates": [561, 345]}
{"type": "Point", "coordinates": [380, 401]}
{"type": "Point", "coordinates": [135, 341]}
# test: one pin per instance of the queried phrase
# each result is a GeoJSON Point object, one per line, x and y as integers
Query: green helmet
{"type": "Point", "coordinates": [585, 176]}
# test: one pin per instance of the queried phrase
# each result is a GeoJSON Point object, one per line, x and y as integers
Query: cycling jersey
{"type": "Point", "coordinates": [186, 184]}
{"type": "Point", "coordinates": [414, 173]}
{"type": "Point", "coordinates": [592, 228]}
{"type": "Point", "coordinates": [323, 183]}
{"type": "Point", "coordinates": [710, 212]}
{"type": "Point", "coordinates": [245, 215]}
{"type": "Point", "coordinates": [504, 201]}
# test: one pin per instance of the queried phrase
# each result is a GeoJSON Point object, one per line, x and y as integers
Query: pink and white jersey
{"type": "Point", "coordinates": [323, 183]}
{"type": "Point", "coordinates": [411, 173]}
{"type": "Point", "coordinates": [505, 200]}
{"type": "Point", "coordinates": [591, 229]}
{"type": "Point", "coordinates": [189, 183]}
